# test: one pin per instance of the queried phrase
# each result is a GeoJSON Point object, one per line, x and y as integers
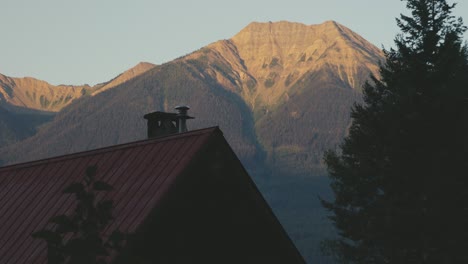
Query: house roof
{"type": "Point", "coordinates": [31, 193]}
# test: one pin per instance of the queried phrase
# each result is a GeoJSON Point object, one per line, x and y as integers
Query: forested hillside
{"type": "Point", "coordinates": [15, 127]}
{"type": "Point", "coordinates": [280, 92]}
{"type": "Point", "coordinates": [116, 116]}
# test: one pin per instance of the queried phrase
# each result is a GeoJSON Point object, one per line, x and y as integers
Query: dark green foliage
{"type": "Point", "coordinates": [205, 50]}
{"type": "Point", "coordinates": [400, 177]}
{"type": "Point", "coordinates": [44, 101]}
{"type": "Point", "coordinates": [303, 58]}
{"type": "Point", "coordinates": [67, 99]}
{"type": "Point", "coordinates": [269, 82]}
{"type": "Point", "coordinates": [27, 93]}
{"type": "Point", "coordinates": [271, 79]}
{"type": "Point", "coordinates": [62, 100]}
{"type": "Point", "coordinates": [289, 79]}
{"type": "Point", "coordinates": [297, 132]}
{"type": "Point", "coordinates": [77, 238]}
{"type": "Point", "coordinates": [225, 70]}
{"type": "Point", "coordinates": [8, 89]}
{"type": "Point", "coordinates": [274, 62]}
{"type": "Point", "coordinates": [251, 84]}
{"type": "Point", "coordinates": [85, 91]}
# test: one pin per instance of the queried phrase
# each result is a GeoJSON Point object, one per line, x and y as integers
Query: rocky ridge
{"type": "Point", "coordinates": [267, 59]}
{"type": "Point", "coordinates": [38, 95]}
{"type": "Point", "coordinates": [291, 85]}
{"type": "Point", "coordinates": [140, 68]}
{"type": "Point", "coordinates": [34, 94]}
{"type": "Point", "coordinates": [281, 93]}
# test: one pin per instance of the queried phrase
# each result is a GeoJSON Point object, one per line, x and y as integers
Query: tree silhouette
{"type": "Point", "coordinates": [400, 176]}
{"type": "Point", "coordinates": [78, 238]}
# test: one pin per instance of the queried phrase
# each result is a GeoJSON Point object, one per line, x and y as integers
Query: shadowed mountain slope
{"type": "Point", "coordinates": [26, 103]}
{"type": "Point", "coordinates": [281, 93]}
{"type": "Point", "coordinates": [115, 116]}
{"type": "Point", "coordinates": [16, 126]}
{"type": "Point", "coordinates": [299, 82]}
{"type": "Point", "coordinates": [278, 90]}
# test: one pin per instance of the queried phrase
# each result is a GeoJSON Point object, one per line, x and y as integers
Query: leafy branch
{"type": "Point", "coordinates": [79, 237]}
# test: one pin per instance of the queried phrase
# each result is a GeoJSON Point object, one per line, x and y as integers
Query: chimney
{"type": "Point", "coordinates": [162, 123]}
{"type": "Point", "coordinates": [182, 116]}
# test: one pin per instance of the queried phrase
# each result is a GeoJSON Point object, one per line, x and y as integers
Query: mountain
{"type": "Point", "coordinates": [35, 94]}
{"type": "Point", "coordinates": [281, 92]}
{"type": "Point", "coordinates": [272, 57]}
{"type": "Point", "coordinates": [32, 94]}
{"type": "Point", "coordinates": [15, 127]}
{"type": "Point", "coordinates": [27, 103]}
{"type": "Point", "coordinates": [139, 69]}
{"type": "Point", "coordinates": [299, 82]}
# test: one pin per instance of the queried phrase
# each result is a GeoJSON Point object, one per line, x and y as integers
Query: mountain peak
{"type": "Point", "coordinates": [269, 58]}
{"type": "Point", "coordinates": [283, 25]}
{"type": "Point", "coordinates": [28, 92]}
{"type": "Point", "coordinates": [138, 69]}
{"type": "Point", "coordinates": [143, 65]}
{"type": "Point", "coordinates": [330, 22]}
{"type": "Point", "coordinates": [277, 53]}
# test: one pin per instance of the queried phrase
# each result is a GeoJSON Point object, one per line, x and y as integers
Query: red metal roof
{"type": "Point", "coordinates": [140, 172]}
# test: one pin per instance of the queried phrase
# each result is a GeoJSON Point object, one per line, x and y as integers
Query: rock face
{"type": "Point", "coordinates": [38, 95]}
{"type": "Point", "coordinates": [281, 92]}
{"type": "Point", "coordinates": [28, 103]}
{"type": "Point", "coordinates": [267, 59]}
{"type": "Point", "coordinates": [139, 69]}
{"type": "Point", "coordinates": [33, 94]}
{"type": "Point", "coordinates": [299, 81]}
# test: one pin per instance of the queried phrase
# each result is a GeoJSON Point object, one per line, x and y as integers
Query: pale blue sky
{"type": "Point", "coordinates": [91, 41]}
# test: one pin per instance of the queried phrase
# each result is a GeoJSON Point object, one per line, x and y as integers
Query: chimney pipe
{"type": "Point", "coordinates": [182, 116]}
{"type": "Point", "coordinates": [162, 123]}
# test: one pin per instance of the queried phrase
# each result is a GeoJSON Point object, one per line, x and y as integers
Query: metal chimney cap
{"type": "Point", "coordinates": [182, 112]}
{"type": "Point", "coordinates": [182, 108]}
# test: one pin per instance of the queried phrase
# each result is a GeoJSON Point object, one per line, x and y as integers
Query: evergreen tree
{"type": "Point", "coordinates": [400, 177]}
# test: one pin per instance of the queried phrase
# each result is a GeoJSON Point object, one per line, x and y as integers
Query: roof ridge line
{"type": "Point", "coordinates": [110, 148]}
